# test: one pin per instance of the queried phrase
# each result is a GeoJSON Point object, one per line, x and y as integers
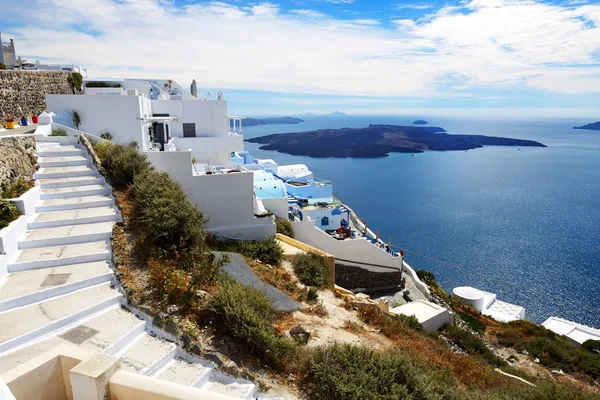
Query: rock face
{"type": "Point", "coordinates": [379, 141]}
{"type": "Point", "coordinates": [17, 158]}
{"type": "Point", "coordinates": [420, 122]}
{"type": "Point", "coordinates": [271, 121]}
{"type": "Point", "coordinates": [27, 90]}
{"type": "Point", "coordinates": [594, 126]}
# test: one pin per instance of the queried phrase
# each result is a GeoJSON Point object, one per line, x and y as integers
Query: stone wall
{"type": "Point", "coordinates": [27, 90]}
{"type": "Point", "coordinates": [17, 157]}
{"type": "Point", "coordinates": [352, 278]}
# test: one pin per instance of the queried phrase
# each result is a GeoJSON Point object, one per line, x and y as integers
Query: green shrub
{"type": "Point", "coordinates": [268, 251]}
{"type": "Point", "coordinates": [163, 216]}
{"type": "Point", "coordinates": [77, 81]}
{"type": "Point", "coordinates": [592, 345]}
{"type": "Point", "coordinates": [106, 135]}
{"type": "Point", "coordinates": [122, 163]}
{"type": "Point", "coordinates": [345, 371]}
{"type": "Point", "coordinates": [247, 315]}
{"type": "Point", "coordinates": [312, 269]}
{"type": "Point", "coordinates": [2, 66]}
{"type": "Point", "coordinates": [312, 296]}
{"type": "Point", "coordinates": [97, 84]}
{"type": "Point", "coordinates": [58, 132]}
{"type": "Point", "coordinates": [16, 188]}
{"type": "Point", "coordinates": [473, 344]}
{"type": "Point", "coordinates": [427, 277]}
{"type": "Point", "coordinates": [285, 227]}
{"type": "Point", "coordinates": [76, 119]}
{"type": "Point", "coordinates": [8, 213]}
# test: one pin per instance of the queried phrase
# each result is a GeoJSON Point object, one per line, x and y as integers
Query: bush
{"type": "Point", "coordinates": [592, 345]}
{"type": "Point", "coordinates": [8, 213]}
{"type": "Point", "coordinates": [247, 314]}
{"type": "Point", "coordinates": [427, 277]}
{"type": "Point", "coordinates": [312, 269]}
{"type": "Point", "coordinates": [268, 251]}
{"type": "Point", "coordinates": [106, 135]}
{"type": "Point", "coordinates": [345, 371]}
{"type": "Point", "coordinates": [77, 81]}
{"type": "Point", "coordinates": [312, 296]}
{"type": "Point", "coordinates": [17, 188]}
{"type": "Point", "coordinates": [473, 344]}
{"type": "Point", "coordinates": [285, 227]}
{"type": "Point", "coordinates": [58, 132]}
{"type": "Point", "coordinates": [2, 66]}
{"type": "Point", "coordinates": [96, 84]}
{"type": "Point", "coordinates": [122, 163]}
{"type": "Point", "coordinates": [391, 325]}
{"type": "Point", "coordinates": [163, 217]}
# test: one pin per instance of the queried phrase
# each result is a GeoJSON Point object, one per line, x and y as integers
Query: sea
{"type": "Point", "coordinates": [523, 223]}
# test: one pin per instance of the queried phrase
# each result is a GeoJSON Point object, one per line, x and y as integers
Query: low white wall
{"type": "Point", "coordinates": [359, 251]}
{"type": "Point", "coordinates": [27, 201]}
{"type": "Point", "coordinates": [278, 206]}
{"type": "Point", "coordinates": [118, 115]}
{"type": "Point", "coordinates": [9, 242]}
{"type": "Point", "coordinates": [227, 199]}
{"type": "Point", "coordinates": [422, 286]}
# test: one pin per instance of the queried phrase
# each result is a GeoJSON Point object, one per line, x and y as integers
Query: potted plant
{"type": "Point", "coordinates": [24, 121]}
{"type": "Point", "coordinates": [10, 123]}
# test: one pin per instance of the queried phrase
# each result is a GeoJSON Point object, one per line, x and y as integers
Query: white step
{"type": "Point", "coordinates": [67, 161]}
{"type": "Point", "coordinates": [72, 203]}
{"type": "Point", "coordinates": [60, 151]}
{"type": "Point", "coordinates": [64, 235]}
{"type": "Point", "coordinates": [71, 181]}
{"type": "Point", "coordinates": [147, 354]}
{"type": "Point", "coordinates": [54, 256]}
{"type": "Point", "coordinates": [24, 324]}
{"type": "Point", "coordinates": [74, 217]}
{"type": "Point", "coordinates": [65, 172]}
{"type": "Point", "coordinates": [77, 191]}
{"type": "Point", "coordinates": [185, 372]}
{"type": "Point", "coordinates": [115, 327]}
{"type": "Point", "coordinates": [22, 288]}
{"type": "Point", "coordinates": [230, 387]}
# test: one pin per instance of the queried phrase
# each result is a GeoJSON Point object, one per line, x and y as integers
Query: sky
{"type": "Point", "coordinates": [483, 57]}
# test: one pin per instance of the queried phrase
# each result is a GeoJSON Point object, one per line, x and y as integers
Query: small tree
{"type": "Point", "coordinates": [76, 119]}
{"type": "Point", "coordinates": [77, 81]}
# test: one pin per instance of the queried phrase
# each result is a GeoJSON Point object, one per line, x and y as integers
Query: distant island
{"type": "Point", "coordinates": [333, 114]}
{"type": "Point", "coordinates": [379, 141]}
{"type": "Point", "coordinates": [271, 121]}
{"type": "Point", "coordinates": [594, 126]}
{"type": "Point", "coordinates": [420, 122]}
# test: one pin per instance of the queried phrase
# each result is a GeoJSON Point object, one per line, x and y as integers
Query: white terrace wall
{"type": "Point", "coordinates": [227, 199]}
{"type": "Point", "coordinates": [210, 116]}
{"type": "Point", "coordinates": [118, 115]}
{"type": "Point", "coordinates": [357, 250]}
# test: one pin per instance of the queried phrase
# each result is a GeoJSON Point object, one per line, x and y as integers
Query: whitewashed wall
{"type": "Point", "coordinates": [118, 115]}
{"type": "Point", "coordinates": [210, 116]}
{"type": "Point", "coordinates": [278, 206]}
{"type": "Point", "coordinates": [357, 251]}
{"type": "Point", "coordinates": [227, 199]}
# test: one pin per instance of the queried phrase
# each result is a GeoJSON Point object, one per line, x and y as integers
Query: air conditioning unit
{"type": "Point", "coordinates": [132, 92]}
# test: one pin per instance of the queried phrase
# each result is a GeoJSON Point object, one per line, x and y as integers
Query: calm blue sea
{"type": "Point", "coordinates": [524, 224]}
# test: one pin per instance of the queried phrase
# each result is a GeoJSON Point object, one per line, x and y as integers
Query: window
{"type": "Point", "coordinates": [189, 130]}
{"type": "Point", "coordinates": [324, 221]}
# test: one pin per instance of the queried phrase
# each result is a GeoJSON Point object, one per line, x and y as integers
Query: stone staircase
{"type": "Point", "coordinates": [61, 288]}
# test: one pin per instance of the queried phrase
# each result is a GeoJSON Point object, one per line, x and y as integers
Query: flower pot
{"type": "Point", "coordinates": [24, 121]}
{"type": "Point", "coordinates": [34, 119]}
{"type": "Point", "coordinates": [10, 124]}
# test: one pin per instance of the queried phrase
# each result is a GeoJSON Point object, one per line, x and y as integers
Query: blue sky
{"type": "Point", "coordinates": [496, 57]}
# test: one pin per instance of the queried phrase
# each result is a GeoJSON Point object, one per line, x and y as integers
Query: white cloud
{"type": "Point", "coordinates": [413, 6]}
{"type": "Point", "coordinates": [487, 44]}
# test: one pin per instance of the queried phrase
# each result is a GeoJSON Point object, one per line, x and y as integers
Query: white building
{"type": "Point", "coordinates": [190, 138]}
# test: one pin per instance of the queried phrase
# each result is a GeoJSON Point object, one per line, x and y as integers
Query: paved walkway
{"type": "Point", "coordinates": [238, 268]}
